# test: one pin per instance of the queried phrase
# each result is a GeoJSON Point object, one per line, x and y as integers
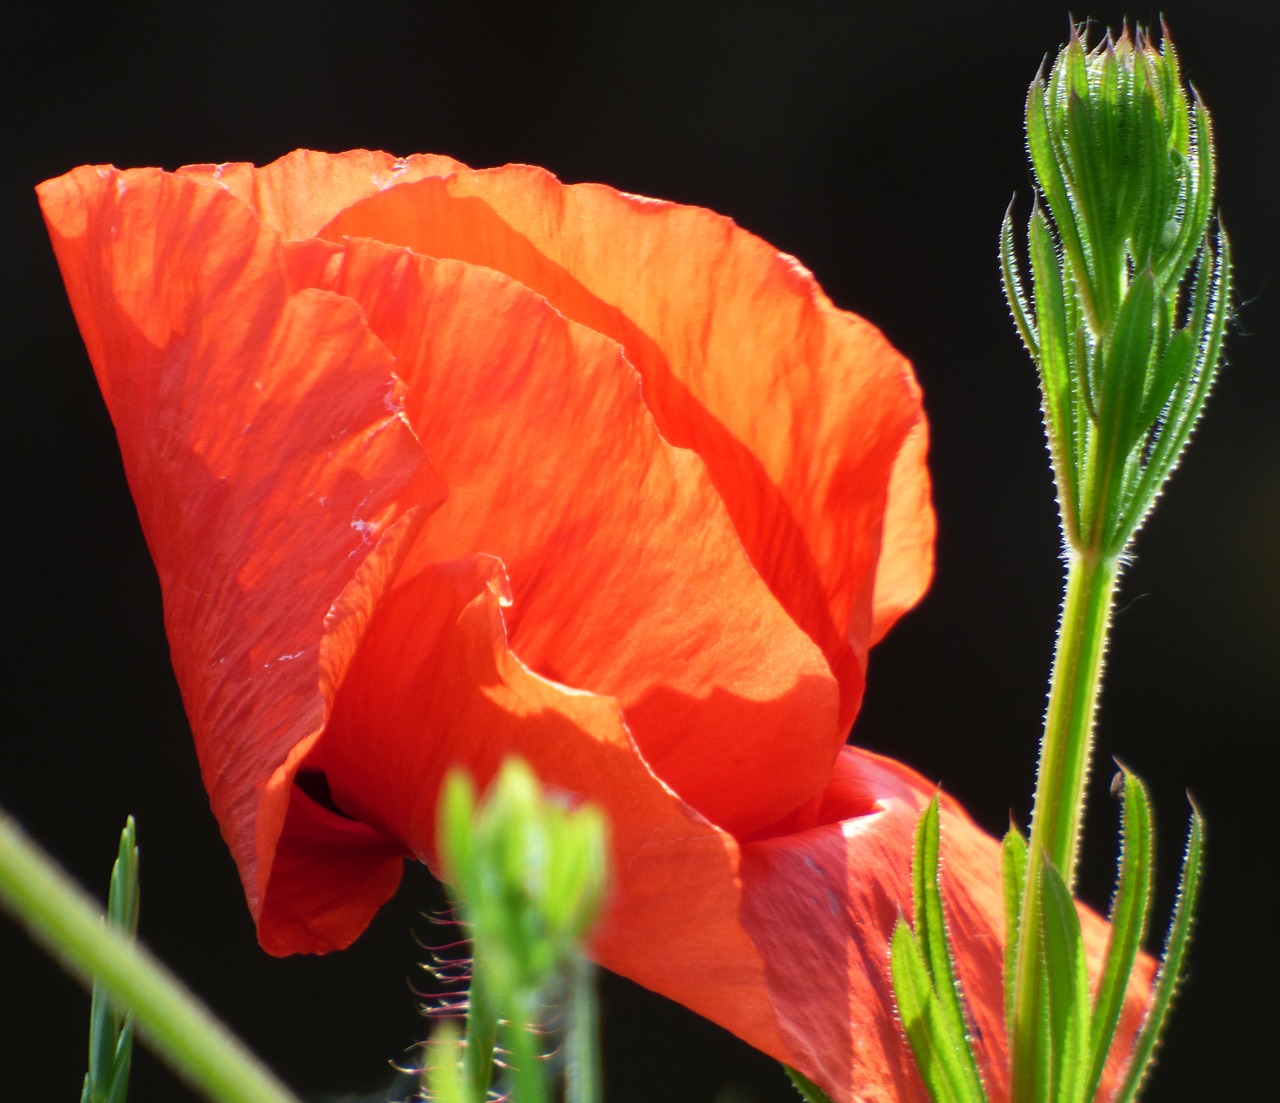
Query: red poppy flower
{"type": "Point", "coordinates": [439, 465]}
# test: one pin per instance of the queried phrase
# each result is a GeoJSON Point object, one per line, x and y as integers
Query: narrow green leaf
{"type": "Point", "coordinates": [1068, 983]}
{"type": "Point", "coordinates": [1112, 87]}
{"type": "Point", "coordinates": [1210, 311]}
{"type": "Point", "coordinates": [930, 930]}
{"type": "Point", "coordinates": [1051, 325]}
{"type": "Point", "coordinates": [1174, 366]}
{"type": "Point", "coordinates": [1042, 1041]}
{"type": "Point", "coordinates": [119, 1088]}
{"type": "Point", "coordinates": [1126, 364]}
{"type": "Point", "coordinates": [809, 1091]}
{"type": "Point", "coordinates": [1197, 200]}
{"type": "Point", "coordinates": [1152, 208]}
{"type": "Point", "coordinates": [1170, 973]}
{"type": "Point", "coordinates": [1014, 293]}
{"type": "Point", "coordinates": [1129, 912]}
{"type": "Point", "coordinates": [1130, 353]}
{"type": "Point", "coordinates": [1051, 181]}
{"type": "Point", "coordinates": [926, 1028]}
{"type": "Point", "coordinates": [931, 937]}
{"type": "Point", "coordinates": [1092, 211]}
{"type": "Point", "coordinates": [1076, 72]}
{"type": "Point", "coordinates": [1174, 94]}
{"type": "Point", "coordinates": [110, 1029]}
{"type": "Point", "coordinates": [1013, 870]}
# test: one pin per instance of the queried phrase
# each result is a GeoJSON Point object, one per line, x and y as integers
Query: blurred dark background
{"type": "Point", "coordinates": [878, 143]}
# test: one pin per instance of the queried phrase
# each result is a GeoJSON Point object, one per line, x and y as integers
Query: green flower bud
{"type": "Point", "coordinates": [529, 875]}
{"type": "Point", "coordinates": [1130, 286]}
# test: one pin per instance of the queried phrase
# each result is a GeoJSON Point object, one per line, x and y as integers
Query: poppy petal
{"type": "Point", "coordinates": [265, 448]}
{"type": "Point", "coordinates": [301, 191]}
{"type": "Point", "coordinates": [692, 913]}
{"type": "Point", "coordinates": [806, 417]}
{"type": "Point", "coordinates": [625, 568]}
{"type": "Point", "coordinates": [402, 721]}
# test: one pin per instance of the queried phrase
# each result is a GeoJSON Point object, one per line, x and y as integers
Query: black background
{"type": "Point", "coordinates": [880, 144]}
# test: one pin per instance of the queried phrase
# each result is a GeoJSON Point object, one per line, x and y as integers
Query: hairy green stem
{"type": "Point", "coordinates": [527, 1067]}
{"type": "Point", "coordinates": [182, 1032]}
{"type": "Point", "coordinates": [584, 1082]}
{"type": "Point", "coordinates": [1060, 783]}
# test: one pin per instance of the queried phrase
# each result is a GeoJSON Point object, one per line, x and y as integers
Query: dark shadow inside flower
{"type": "Point", "coordinates": [315, 785]}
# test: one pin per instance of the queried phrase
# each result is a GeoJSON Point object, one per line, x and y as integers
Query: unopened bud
{"type": "Point", "coordinates": [1130, 289]}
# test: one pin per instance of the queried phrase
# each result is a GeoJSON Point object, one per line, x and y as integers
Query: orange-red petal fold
{"type": "Point", "coordinates": [800, 411]}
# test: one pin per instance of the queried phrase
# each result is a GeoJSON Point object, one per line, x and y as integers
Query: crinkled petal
{"type": "Point", "coordinates": [626, 572]}
{"type": "Point", "coordinates": [808, 420]}
{"type": "Point", "coordinates": [265, 448]}
{"type": "Point", "coordinates": [301, 191]}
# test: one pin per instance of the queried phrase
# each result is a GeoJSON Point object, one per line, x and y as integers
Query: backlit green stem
{"type": "Point", "coordinates": [1060, 783]}
{"type": "Point", "coordinates": [182, 1032]}
{"type": "Point", "coordinates": [527, 1066]}
{"type": "Point", "coordinates": [584, 1082]}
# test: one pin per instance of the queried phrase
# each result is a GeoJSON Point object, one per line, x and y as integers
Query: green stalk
{"type": "Point", "coordinates": [583, 1080]}
{"type": "Point", "coordinates": [182, 1032]}
{"type": "Point", "coordinates": [1060, 782]}
{"type": "Point", "coordinates": [527, 1067]}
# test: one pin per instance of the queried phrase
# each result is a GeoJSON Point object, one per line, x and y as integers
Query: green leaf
{"type": "Point", "coordinates": [1171, 967]}
{"type": "Point", "coordinates": [1130, 355]}
{"type": "Point", "coordinates": [1013, 870]}
{"type": "Point", "coordinates": [110, 1029]}
{"type": "Point", "coordinates": [809, 1091]}
{"type": "Point", "coordinates": [929, 1002]}
{"type": "Point", "coordinates": [1068, 984]}
{"type": "Point", "coordinates": [1127, 362]}
{"type": "Point", "coordinates": [119, 1087]}
{"type": "Point", "coordinates": [1175, 365]}
{"type": "Point", "coordinates": [1196, 196]}
{"type": "Point", "coordinates": [930, 928]}
{"type": "Point", "coordinates": [925, 1026]}
{"type": "Point", "coordinates": [1091, 210]}
{"type": "Point", "coordinates": [1152, 206]}
{"type": "Point", "coordinates": [1015, 295]}
{"type": "Point", "coordinates": [1055, 366]}
{"type": "Point", "coordinates": [1209, 313]}
{"type": "Point", "coordinates": [1128, 923]}
{"type": "Point", "coordinates": [1051, 181]}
